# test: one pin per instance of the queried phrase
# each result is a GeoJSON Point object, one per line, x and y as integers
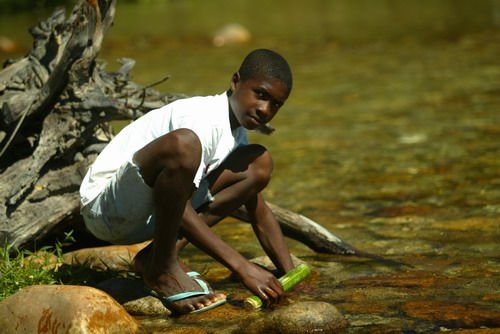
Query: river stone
{"type": "Point", "coordinates": [43, 260]}
{"type": "Point", "coordinates": [147, 306]}
{"type": "Point", "coordinates": [231, 34]}
{"type": "Point", "coordinates": [65, 309]}
{"type": "Point", "coordinates": [265, 261]}
{"type": "Point", "coordinates": [114, 258]}
{"type": "Point", "coordinates": [299, 318]}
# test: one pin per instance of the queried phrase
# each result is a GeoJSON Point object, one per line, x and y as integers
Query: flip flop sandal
{"type": "Point", "coordinates": [169, 300]}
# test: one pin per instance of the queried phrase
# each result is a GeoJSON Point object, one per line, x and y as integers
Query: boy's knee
{"type": "Point", "coordinates": [182, 150]}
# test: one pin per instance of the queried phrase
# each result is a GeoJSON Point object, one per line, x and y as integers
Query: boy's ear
{"type": "Point", "coordinates": [234, 80]}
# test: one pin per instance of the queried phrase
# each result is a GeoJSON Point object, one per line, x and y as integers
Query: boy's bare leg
{"type": "Point", "coordinates": [139, 261]}
{"type": "Point", "coordinates": [239, 181]}
{"type": "Point", "coordinates": [168, 165]}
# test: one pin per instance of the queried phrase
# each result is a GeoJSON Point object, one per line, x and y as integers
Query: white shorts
{"type": "Point", "coordinates": [123, 213]}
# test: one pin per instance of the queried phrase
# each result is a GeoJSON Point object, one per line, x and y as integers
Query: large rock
{"type": "Point", "coordinates": [298, 318]}
{"type": "Point", "coordinates": [115, 258]}
{"type": "Point", "coordinates": [64, 309]}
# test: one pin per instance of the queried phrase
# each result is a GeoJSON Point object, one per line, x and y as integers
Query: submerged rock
{"type": "Point", "coordinates": [231, 34]}
{"type": "Point", "coordinates": [413, 279]}
{"type": "Point", "coordinates": [265, 261]}
{"type": "Point", "coordinates": [453, 315]}
{"type": "Point", "coordinates": [65, 309]}
{"type": "Point", "coordinates": [302, 317]}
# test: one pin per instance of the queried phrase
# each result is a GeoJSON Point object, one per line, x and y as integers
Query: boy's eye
{"type": "Point", "coordinates": [264, 95]}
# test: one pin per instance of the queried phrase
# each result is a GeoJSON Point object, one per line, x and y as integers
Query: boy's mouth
{"type": "Point", "coordinates": [255, 120]}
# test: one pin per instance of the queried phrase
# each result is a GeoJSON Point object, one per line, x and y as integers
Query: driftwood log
{"type": "Point", "coordinates": [305, 230]}
{"type": "Point", "coordinates": [55, 104]}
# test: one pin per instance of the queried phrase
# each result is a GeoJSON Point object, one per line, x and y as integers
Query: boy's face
{"type": "Point", "coordinates": [256, 101]}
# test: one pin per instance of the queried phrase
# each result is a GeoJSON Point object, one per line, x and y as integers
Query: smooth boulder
{"type": "Point", "coordinates": [64, 309]}
{"type": "Point", "coordinates": [114, 258]}
{"type": "Point", "coordinates": [299, 318]}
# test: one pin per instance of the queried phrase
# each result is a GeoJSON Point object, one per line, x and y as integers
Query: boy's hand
{"type": "Point", "coordinates": [263, 284]}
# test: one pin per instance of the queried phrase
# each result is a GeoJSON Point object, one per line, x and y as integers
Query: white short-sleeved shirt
{"type": "Point", "coordinates": [207, 116]}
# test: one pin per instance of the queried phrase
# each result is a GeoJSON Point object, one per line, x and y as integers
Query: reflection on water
{"type": "Point", "coordinates": [390, 139]}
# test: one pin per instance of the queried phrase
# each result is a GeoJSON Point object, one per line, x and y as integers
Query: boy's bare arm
{"type": "Point", "coordinates": [269, 234]}
{"type": "Point", "coordinates": [259, 281]}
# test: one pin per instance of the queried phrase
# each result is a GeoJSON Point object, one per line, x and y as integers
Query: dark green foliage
{"type": "Point", "coordinates": [30, 5]}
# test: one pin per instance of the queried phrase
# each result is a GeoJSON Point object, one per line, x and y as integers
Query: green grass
{"type": "Point", "coordinates": [22, 268]}
{"type": "Point", "coordinates": [25, 268]}
{"type": "Point", "coordinates": [30, 5]}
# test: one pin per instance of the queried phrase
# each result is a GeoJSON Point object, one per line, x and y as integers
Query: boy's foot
{"type": "Point", "coordinates": [181, 293]}
{"type": "Point", "coordinates": [178, 291]}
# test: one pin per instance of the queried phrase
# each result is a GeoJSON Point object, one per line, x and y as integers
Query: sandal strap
{"type": "Point", "coordinates": [188, 294]}
{"type": "Point", "coordinates": [193, 274]}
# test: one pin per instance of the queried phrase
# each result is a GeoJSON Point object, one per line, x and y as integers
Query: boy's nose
{"type": "Point", "coordinates": [264, 110]}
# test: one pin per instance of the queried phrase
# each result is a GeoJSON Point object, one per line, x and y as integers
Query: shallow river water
{"type": "Point", "coordinates": [390, 139]}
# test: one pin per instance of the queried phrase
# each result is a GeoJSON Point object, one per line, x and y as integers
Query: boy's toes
{"type": "Point", "coordinates": [205, 301]}
{"type": "Point", "coordinates": [216, 297]}
{"type": "Point", "coordinates": [199, 305]}
{"type": "Point", "coordinates": [196, 303]}
{"type": "Point", "coordinates": [188, 308]}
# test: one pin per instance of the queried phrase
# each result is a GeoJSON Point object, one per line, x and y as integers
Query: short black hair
{"type": "Point", "coordinates": [266, 63]}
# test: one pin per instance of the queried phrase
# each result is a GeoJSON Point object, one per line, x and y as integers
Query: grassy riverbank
{"type": "Point", "coordinates": [22, 268]}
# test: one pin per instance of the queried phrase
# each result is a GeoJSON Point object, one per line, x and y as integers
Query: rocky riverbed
{"type": "Point", "coordinates": [348, 295]}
